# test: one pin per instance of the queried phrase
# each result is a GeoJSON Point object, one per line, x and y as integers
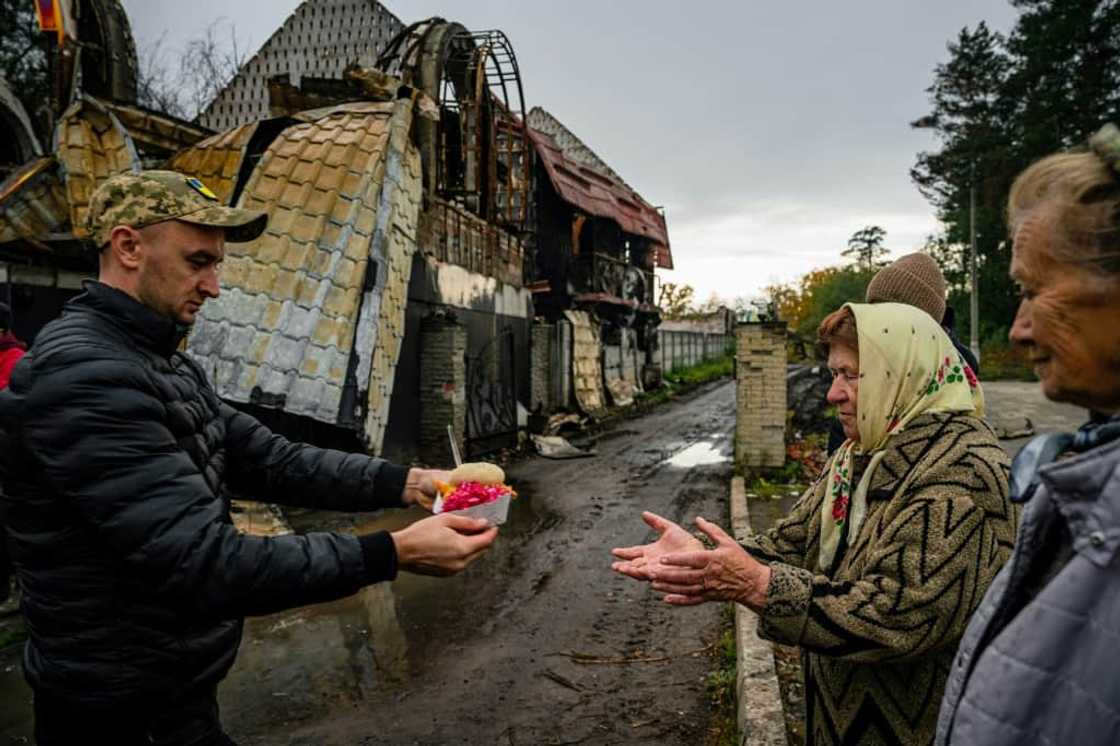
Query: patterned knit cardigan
{"type": "Point", "coordinates": [879, 630]}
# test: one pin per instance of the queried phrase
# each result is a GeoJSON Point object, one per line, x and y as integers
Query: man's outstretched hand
{"type": "Point", "coordinates": [443, 544]}
{"type": "Point", "coordinates": [638, 561]}
{"type": "Point", "coordinates": [420, 487]}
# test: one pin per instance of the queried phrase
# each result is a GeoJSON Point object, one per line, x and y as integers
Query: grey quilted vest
{"type": "Point", "coordinates": [1050, 673]}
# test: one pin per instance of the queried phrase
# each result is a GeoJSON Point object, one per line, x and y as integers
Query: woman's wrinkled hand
{"type": "Point", "coordinates": [638, 560]}
{"type": "Point", "coordinates": [725, 573]}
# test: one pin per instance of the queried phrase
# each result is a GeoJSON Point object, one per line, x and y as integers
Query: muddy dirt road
{"type": "Point", "coordinates": [487, 657]}
{"type": "Point", "coordinates": [485, 661]}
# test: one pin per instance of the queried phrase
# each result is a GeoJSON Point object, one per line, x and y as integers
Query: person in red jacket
{"type": "Point", "coordinates": [11, 348]}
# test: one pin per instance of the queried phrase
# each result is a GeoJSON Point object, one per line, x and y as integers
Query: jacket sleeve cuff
{"type": "Point", "coordinates": [389, 482]}
{"type": "Point", "coordinates": [379, 556]}
{"type": "Point", "coordinates": [788, 597]}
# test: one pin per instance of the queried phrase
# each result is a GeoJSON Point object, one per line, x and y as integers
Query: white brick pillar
{"type": "Point", "coordinates": [760, 395]}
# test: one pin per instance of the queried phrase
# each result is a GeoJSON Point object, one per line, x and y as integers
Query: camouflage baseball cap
{"type": "Point", "coordinates": [149, 197]}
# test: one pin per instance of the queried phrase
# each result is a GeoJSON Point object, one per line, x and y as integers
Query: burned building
{"type": "Point", "coordinates": [93, 129]}
{"type": "Point", "coordinates": [386, 299]}
{"type": "Point", "coordinates": [598, 244]}
{"type": "Point", "coordinates": [436, 258]}
{"type": "Point", "coordinates": [466, 358]}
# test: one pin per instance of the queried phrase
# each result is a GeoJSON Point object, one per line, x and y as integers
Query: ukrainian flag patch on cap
{"type": "Point", "coordinates": [201, 188]}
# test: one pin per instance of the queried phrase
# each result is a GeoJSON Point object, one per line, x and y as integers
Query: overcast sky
{"type": "Point", "coordinates": [769, 131]}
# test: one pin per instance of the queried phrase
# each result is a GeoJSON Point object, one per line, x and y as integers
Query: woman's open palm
{"type": "Point", "coordinates": [637, 561]}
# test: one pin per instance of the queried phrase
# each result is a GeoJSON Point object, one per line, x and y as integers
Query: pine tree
{"type": "Point", "coordinates": [865, 248]}
{"type": "Point", "coordinates": [998, 104]}
{"type": "Point", "coordinates": [1066, 80]}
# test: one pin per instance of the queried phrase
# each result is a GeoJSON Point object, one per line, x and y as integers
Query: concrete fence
{"type": "Point", "coordinates": [683, 349]}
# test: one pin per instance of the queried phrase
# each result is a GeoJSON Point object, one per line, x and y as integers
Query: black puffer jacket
{"type": "Point", "coordinates": [114, 458]}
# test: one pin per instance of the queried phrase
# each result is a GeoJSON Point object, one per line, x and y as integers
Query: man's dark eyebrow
{"type": "Point", "coordinates": [204, 255]}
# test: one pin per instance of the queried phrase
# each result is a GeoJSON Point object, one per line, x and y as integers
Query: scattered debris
{"type": "Point", "coordinates": [806, 389]}
{"type": "Point", "coordinates": [562, 681]}
{"type": "Point", "coordinates": [558, 423]}
{"type": "Point", "coordinates": [553, 446]}
{"type": "Point", "coordinates": [588, 659]}
{"type": "Point", "coordinates": [622, 392]}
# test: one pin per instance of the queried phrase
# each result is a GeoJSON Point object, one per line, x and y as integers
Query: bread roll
{"type": "Point", "coordinates": [478, 472]}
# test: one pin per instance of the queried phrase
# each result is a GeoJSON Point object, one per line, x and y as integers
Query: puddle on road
{"type": "Point", "coordinates": [307, 663]}
{"type": "Point", "coordinates": [715, 450]}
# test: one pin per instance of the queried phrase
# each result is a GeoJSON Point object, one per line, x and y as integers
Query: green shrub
{"type": "Point", "coordinates": [1001, 361]}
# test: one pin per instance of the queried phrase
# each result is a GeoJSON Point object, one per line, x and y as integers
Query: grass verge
{"type": "Point", "coordinates": [723, 729]}
{"type": "Point", "coordinates": [709, 370]}
{"type": "Point", "coordinates": [680, 381]}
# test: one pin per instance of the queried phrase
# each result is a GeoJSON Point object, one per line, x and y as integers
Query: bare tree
{"type": "Point", "coordinates": [207, 65]}
{"type": "Point", "coordinates": [185, 86]}
{"type": "Point", "coordinates": [675, 301]}
{"type": "Point", "coordinates": [156, 87]}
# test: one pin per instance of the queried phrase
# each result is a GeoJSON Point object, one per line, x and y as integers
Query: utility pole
{"type": "Point", "coordinates": [974, 302]}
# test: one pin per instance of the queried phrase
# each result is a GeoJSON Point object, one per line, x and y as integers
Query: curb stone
{"type": "Point", "coordinates": [760, 717]}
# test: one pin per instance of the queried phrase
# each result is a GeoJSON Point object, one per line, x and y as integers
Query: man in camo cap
{"type": "Point", "coordinates": [166, 236]}
{"type": "Point", "coordinates": [118, 460]}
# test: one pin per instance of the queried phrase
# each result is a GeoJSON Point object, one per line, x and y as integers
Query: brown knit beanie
{"type": "Point", "coordinates": [914, 279]}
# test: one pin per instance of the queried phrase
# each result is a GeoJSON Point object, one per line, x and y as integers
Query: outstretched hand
{"type": "Point", "coordinates": [725, 573]}
{"type": "Point", "coordinates": [443, 544]}
{"type": "Point", "coordinates": [637, 561]}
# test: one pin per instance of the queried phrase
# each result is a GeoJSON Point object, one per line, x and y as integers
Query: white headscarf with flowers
{"type": "Point", "coordinates": [907, 367]}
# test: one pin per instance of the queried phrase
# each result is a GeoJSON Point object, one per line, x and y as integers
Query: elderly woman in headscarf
{"type": "Point", "coordinates": [877, 568]}
{"type": "Point", "coordinates": [1038, 663]}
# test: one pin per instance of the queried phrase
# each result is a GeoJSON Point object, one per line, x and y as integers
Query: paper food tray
{"type": "Point", "coordinates": [494, 513]}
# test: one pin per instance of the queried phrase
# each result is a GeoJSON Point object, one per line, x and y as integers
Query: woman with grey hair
{"type": "Point", "coordinates": [1037, 663]}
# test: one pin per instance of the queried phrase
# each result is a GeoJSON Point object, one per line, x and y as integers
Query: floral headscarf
{"type": "Point", "coordinates": [908, 367]}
